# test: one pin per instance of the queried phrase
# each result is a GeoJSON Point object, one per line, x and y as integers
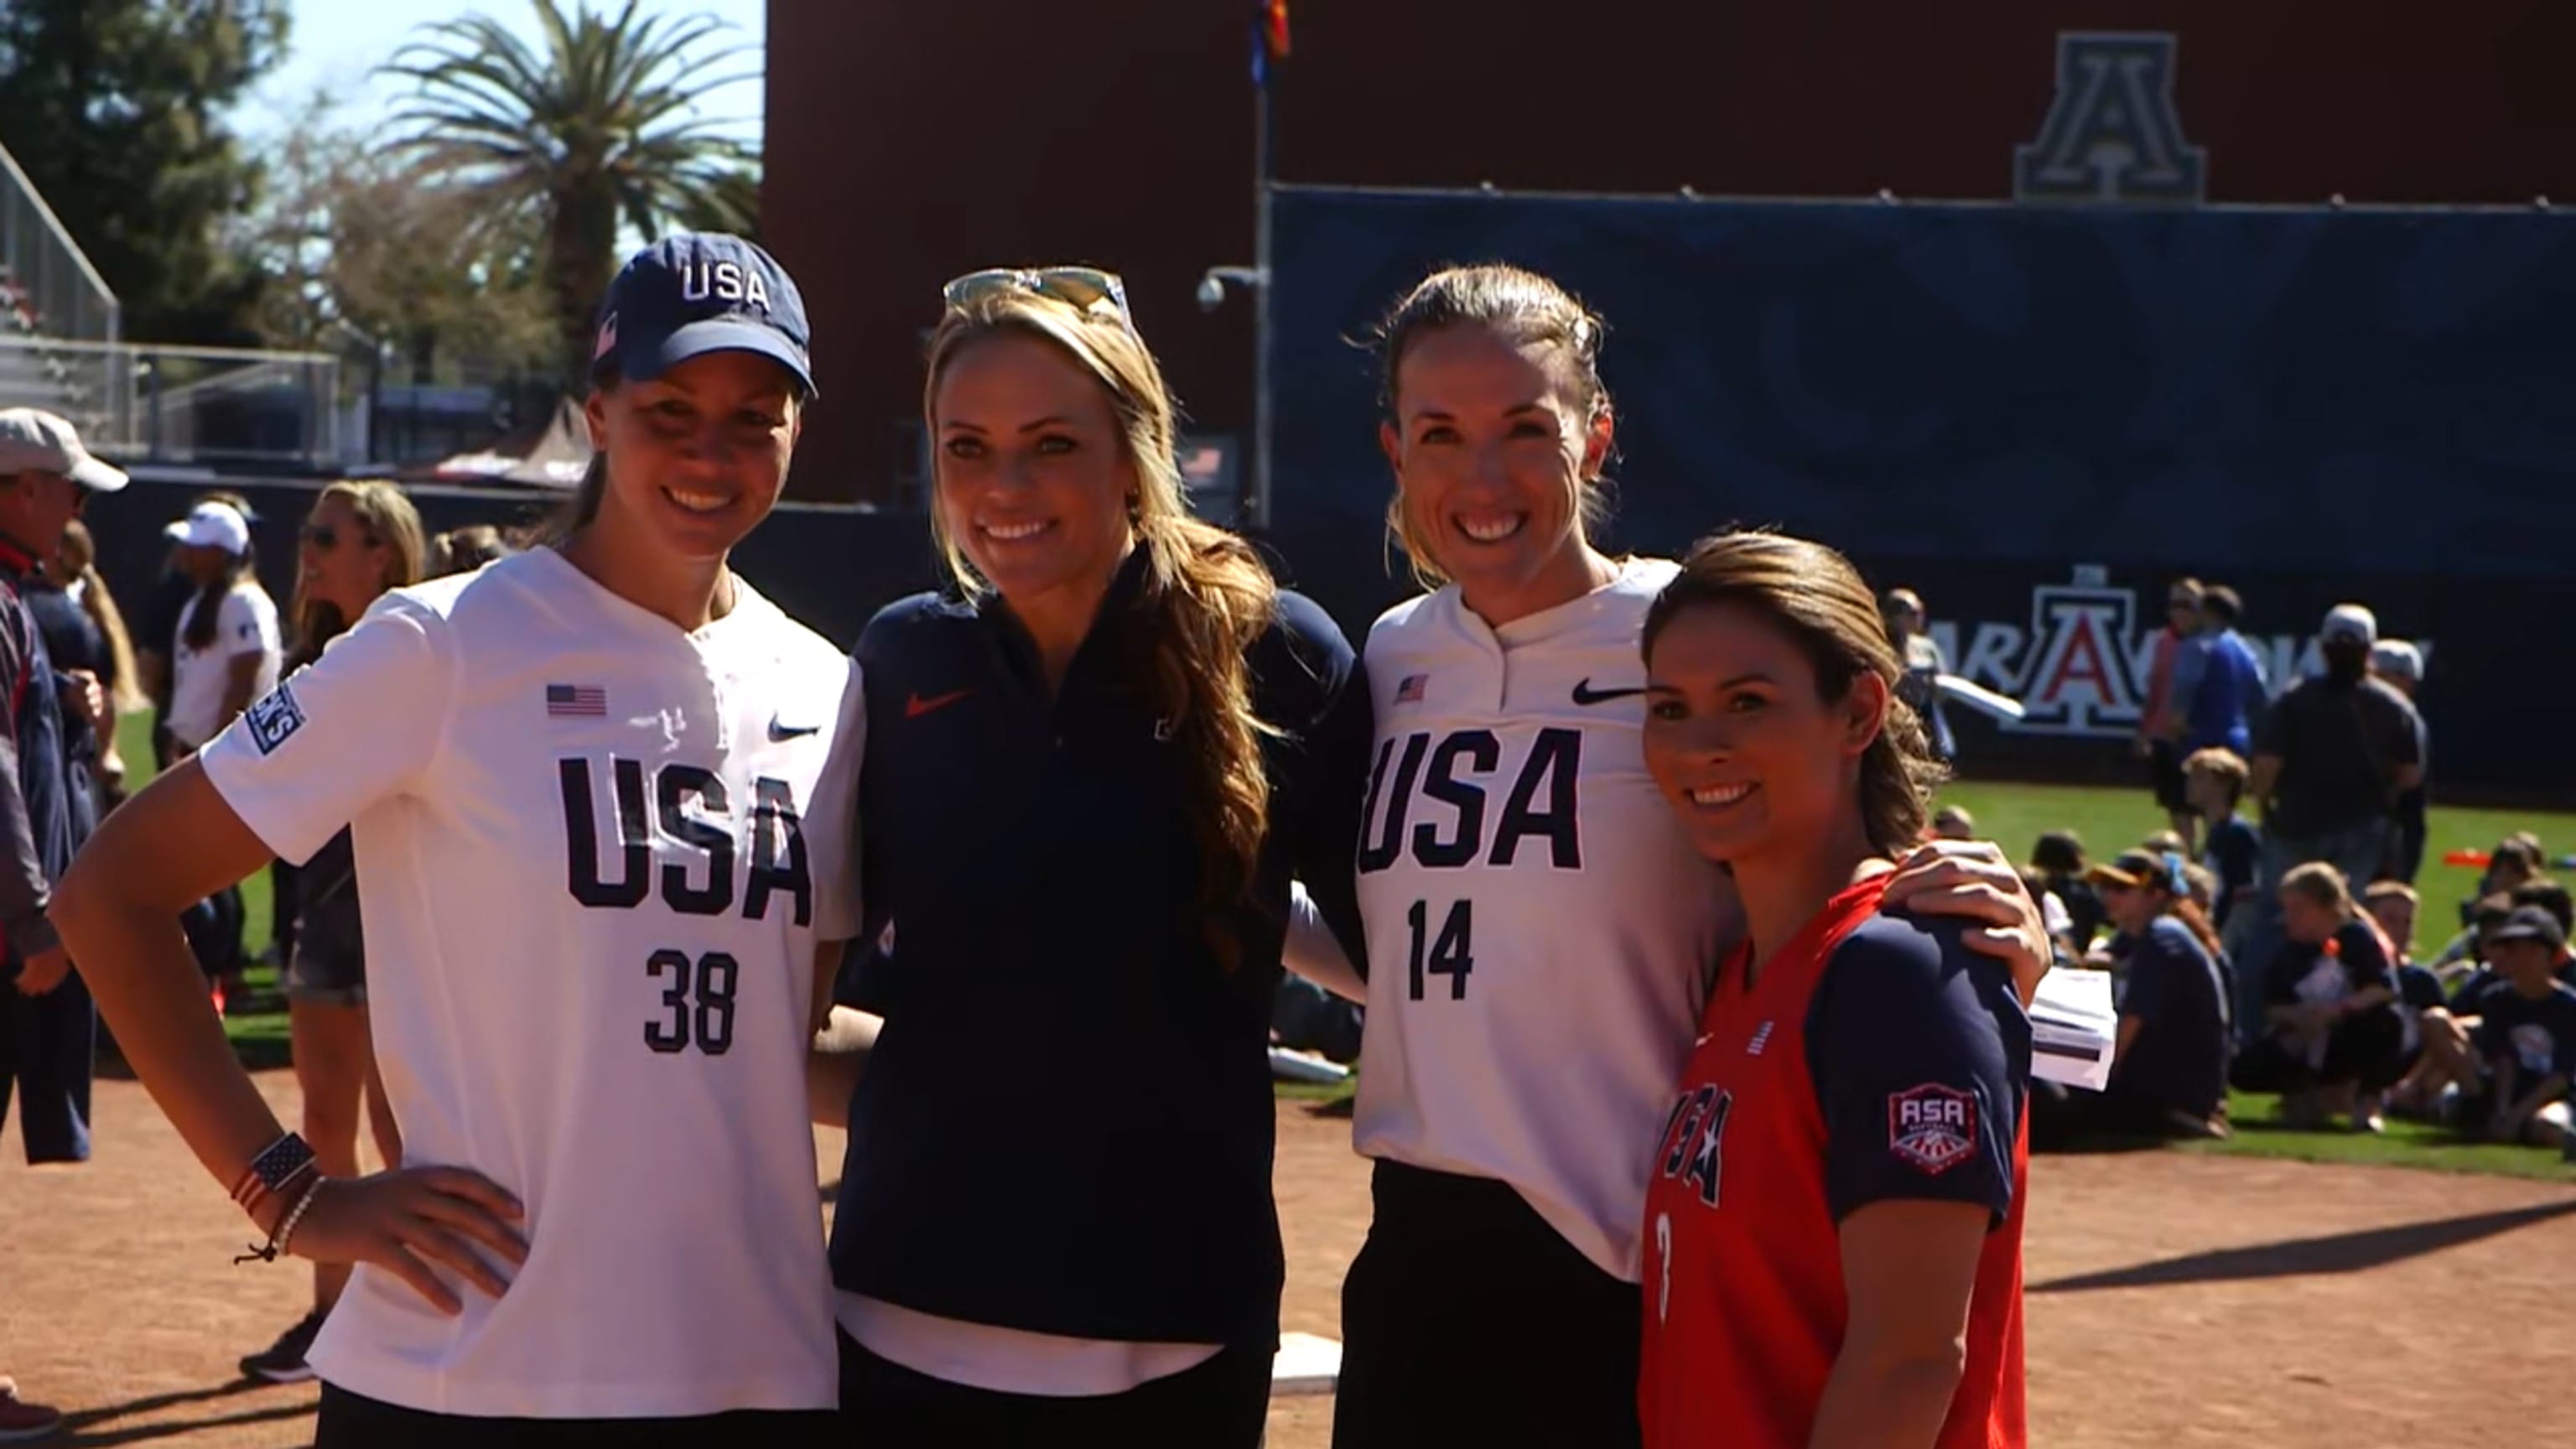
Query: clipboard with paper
{"type": "Point", "coordinates": [2073, 1027]}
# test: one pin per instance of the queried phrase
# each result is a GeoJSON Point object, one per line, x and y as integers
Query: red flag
{"type": "Point", "coordinates": [1275, 17]}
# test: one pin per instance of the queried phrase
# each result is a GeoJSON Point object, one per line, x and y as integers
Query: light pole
{"type": "Point", "coordinates": [1254, 506]}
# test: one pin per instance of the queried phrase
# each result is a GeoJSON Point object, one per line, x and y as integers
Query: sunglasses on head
{"type": "Point", "coordinates": [1084, 289]}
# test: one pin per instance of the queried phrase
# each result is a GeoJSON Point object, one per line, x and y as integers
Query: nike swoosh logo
{"type": "Point", "coordinates": [1584, 693]}
{"type": "Point", "coordinates": [914, 707]}
{"type": "Point", "coordinates": [781, 730]}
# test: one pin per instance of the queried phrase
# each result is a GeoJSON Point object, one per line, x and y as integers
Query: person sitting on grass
{"type": "Point", "coordinates": [2213, 780]}
{"type": "Point", "coordinates": [2515, 860]}
{"type": "Point", "coordinates": [2059, 858]}
{"type": "Point", "coordinates": [2443, 1031]}
{"type": "Point", "coordinates": [2525, 1040]}
{"type": "Point", "coordinates": [2331, 1043]}
{"type": "Point", "coordinates": [2169, 1065]}
{"type": "Point", "coordinates": [2551, 895]}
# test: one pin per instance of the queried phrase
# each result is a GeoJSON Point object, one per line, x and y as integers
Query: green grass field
{"type": "Point", "coordinates": [2111, 820]}
{"type": "Point", "coordinates": [2108, 820]}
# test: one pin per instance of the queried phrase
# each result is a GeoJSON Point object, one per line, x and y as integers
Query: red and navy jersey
{"type": "Point", "coordinates": [1874, 1059]}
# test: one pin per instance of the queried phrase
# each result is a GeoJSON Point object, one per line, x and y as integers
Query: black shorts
{"type": "Point", "coordinates": [1461, 1290]}
{"type": "Point", "coordinates": [2164, 775]}
{"type": "Point", "coordinates": [354, 1421]}
{"type": "Point", "coordinates": [325, 976]}
{"type": "Point", "coordinates": [1223, 1403]}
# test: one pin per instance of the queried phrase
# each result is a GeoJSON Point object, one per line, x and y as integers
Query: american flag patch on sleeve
{"type": "Point", "coordinates": [576, 701]}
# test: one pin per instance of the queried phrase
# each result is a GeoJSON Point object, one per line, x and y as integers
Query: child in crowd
{"type": "Point", "coordinates": [2059, 859]}
{"type": "Point", "coordinates": [2332, 1043]}
{"type": "Point", "coordinates": [2169, 1072]}
{"type": "Point", "coordinates": [2525, 1039]}
{"type": "Point", "coordinates": [1953, 822]}
{"type": "Point", "coordinates": [2214, 783]}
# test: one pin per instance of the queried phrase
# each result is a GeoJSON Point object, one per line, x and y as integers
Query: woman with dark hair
{"type": "Point", "coordinates": [225, 653]}
{"type": "Point", "coordinates": [361, 541]}
{"type": "Point", "coordinates": [1093, 765]}
{"type": "Point", "coordinates": [1834, 1220]}
{"type": "Point", "coordinates": [2169, 1063]}
{"type": "Point", "coordinates": [1541, 930]}
{"type": "Point", "coordinates": [594, 792]}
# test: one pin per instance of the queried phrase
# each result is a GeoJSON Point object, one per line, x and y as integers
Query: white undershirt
{"type": "Point", "coordinates": [1010, 1360]}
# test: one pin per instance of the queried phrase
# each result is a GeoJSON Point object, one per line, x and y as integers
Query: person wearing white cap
{"type": "Point", "coordinates": [225, 652]}
{"type": "Point", "coordinates": [2334, 755]}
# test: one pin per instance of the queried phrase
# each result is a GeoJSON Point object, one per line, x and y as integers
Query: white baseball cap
{"type": "Point", "coordinates": [35, 441]}
{"type": "Point", "coordinates": [2399, 658]}
{"type": "Point", "coordinates": [2350, 623]}
{"type": "Point", "coordinates": [212, 525]}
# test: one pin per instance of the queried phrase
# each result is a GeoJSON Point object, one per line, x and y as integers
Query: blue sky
{"type": "Point", "coordinates": [336, 42]}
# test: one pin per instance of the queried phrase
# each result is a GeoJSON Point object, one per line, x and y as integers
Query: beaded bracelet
{"type": "Point", "coordinates": [285, 1226]}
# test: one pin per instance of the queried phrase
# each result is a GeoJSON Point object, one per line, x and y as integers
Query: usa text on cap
{"type": "Point", "coordinates": [35, 441]}
{"type": "Point", "coordinates": [695, 293]}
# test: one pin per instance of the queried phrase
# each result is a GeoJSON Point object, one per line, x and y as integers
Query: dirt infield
{"type": "Point", "coordinates": [2173, 1301]}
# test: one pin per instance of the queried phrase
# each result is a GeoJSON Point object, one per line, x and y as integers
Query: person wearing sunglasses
{"type": "Point", "coordinates": [360, 541]}
{"type": "Point", "coordinates": [594, 793]}
{"type": "Point", "coordinates": [1094, 762]}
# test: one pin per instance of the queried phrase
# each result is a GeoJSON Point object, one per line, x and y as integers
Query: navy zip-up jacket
{"type": "Point", "coordinates": [1066, 1125]}
{"type": "Point", "coordinates": [36, 834]}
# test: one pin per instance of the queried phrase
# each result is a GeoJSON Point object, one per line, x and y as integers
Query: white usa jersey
{"type": "Point", "coordinates": [596, 853]}
{"type": "Point", "coordinates": [1539, 929]}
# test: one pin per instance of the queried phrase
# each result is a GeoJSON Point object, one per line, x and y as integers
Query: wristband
{"type": "Point", "coordinates": [274, 1169]}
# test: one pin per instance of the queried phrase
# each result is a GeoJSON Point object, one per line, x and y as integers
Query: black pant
{"type": "Point", "coordinates": [353, 1421]}
{"type": "Point", "coordinates": [46, 1044]}
{"type": "Point", "coordinates": [1223, 1403]}
{"type": "Point", "coordinates": [2365, 1050]}
{"type": "Point", "coordinates": [1467, 1320]}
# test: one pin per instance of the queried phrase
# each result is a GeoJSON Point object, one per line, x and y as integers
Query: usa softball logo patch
{"type": "Point", "coordinates": [273, 718]}
{"type": "Point", "coordinates": [1932, 1127]}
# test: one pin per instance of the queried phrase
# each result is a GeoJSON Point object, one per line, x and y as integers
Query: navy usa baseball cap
{"type": "Point", "coordinates": [695, 293]}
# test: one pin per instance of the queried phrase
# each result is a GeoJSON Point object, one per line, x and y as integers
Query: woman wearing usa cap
{"type": "Point", "coordinates": [592, 790]}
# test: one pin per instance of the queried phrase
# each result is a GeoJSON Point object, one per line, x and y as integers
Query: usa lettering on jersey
{"type": "Point", "coordinates": [1694, 1141]}
{"type": "Point", "coordinates": [1454, 774]}
{"type": "Point", "coordinates": [690, 808]}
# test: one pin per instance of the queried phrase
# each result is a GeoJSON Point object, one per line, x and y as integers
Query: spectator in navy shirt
{"type": "Point", "coordinates": [1093, 765]}
{"type": "Point", "coordinates": [2525, 1040]}
{"type": "Point", "coordinates": [2169, 1067]}
{"type": "Point", "coordinates": [2331, 1029]}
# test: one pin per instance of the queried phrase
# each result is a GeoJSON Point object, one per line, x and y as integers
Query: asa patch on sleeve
{"type": "Point", "coordinates": [273, 718]}
{"type": "Point", "coordinates": [1932, 1127]}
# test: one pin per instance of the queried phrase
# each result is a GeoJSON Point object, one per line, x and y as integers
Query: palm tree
{"type": "Point", "coordinates": [598, 129]}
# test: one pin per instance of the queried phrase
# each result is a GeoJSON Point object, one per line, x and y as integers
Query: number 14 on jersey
{"type": "Point", "coordinates": [1452, 953]}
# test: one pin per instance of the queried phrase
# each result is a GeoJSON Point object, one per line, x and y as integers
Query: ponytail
{"type": "Point", "coordinates": [2188, 911]}
{"type": "Point", "coordinates": [1210, 598]}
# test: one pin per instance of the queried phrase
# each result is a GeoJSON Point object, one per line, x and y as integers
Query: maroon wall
{"type": "Point", "coordinates": [909, 141]}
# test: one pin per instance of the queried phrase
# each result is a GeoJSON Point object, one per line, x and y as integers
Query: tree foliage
{"type": "Point", "coordinates": [597, 128]}
{"type": "Point", "coordinates": [114, 108]}
{"type": "Point", "coordinates": [355, 242]}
